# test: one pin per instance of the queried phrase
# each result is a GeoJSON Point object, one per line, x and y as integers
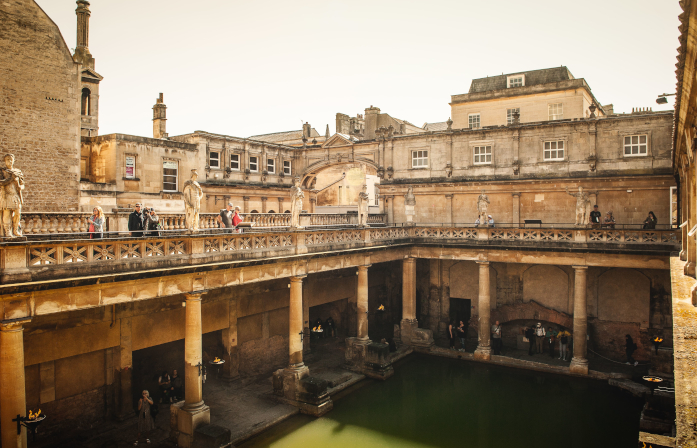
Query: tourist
{"type": "Point", "coordinates": [609, 221]}
{"type": "Point", "coordinates": [595, 216]}
{"type": "Point", "coordinates": [551, 337]}
{"type": "Point", "coordinates": [330, 326]}
{"type": "Point", "coordinates": [96, 221]}
{"type": "Point", "coordinates": [151, 223]}
{"type": "Point", "coordinates": [530, 336]}
{"type": "Point", "coordinates": [225, 217]}
{"type": "Point", "coordinates": [462, 334]}
{"type": "Point", "coordinates": [164, 382]}
{"type": "Point", "coordinates": [237, 219]}
{"type": "Point", "coordinates": [650, 221]}
{"type": "Point", "coordinates": [135, 222]}
{"type": "Point", "coordinates": [177, 386]}
{"type": "Point", "coordinates": [630, 348]}
{"type": "Point", "coordinates": [491, 221]}
{"type": "Point", "coordinates": [452, 331]}
{"type": "Point", "coordinates": [563, 344]}
{"type": "Point", "coordinates": [477, 222]}
{"type": "Point", "coordinates": [539, 337]}
{"type": "Point", "coordinates": [145, 421]}
{"type": "Point", "coordinates": [496, 338]}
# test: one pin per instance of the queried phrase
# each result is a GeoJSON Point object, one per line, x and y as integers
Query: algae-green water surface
{"type": "Point", "coordinates": [440, 402]}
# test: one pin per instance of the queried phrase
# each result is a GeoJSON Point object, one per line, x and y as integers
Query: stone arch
{"type": "Point", "coordinates": [547, 285]}
{"type": "Point", "coordinates": [624, 295]}
{"type": "Point", "coordinates": [86, 102]}
{"type": "Point", "coordinates": [532, 311]}
{"type": "Point", "coordinates": [464, 283]}
{"type": "Point", "coordinates": [309, 174]}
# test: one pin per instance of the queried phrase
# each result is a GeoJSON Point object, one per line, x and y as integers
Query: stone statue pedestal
{"type": "Point", "coordinates": [372, 359]}
{"type": "Point", "coordinates": [185, 422]}
{"type": "Point", "coordinates": [294, 385]}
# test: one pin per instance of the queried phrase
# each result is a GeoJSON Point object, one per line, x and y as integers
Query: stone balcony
{"type": "Point", "coordinates": [66, 257]}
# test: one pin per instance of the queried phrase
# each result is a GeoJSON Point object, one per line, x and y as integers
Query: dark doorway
{"type": "Point", "coordinates": [338, 312]}
{"type": "Point", "coordinates": [149, 363]}
{"type": "Point", "coordinates": [460, 309]}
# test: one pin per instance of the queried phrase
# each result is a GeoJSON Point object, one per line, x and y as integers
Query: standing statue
{"type": "Point", "coordinates": [363, 207]}
{"type": "Point", "coordinates": [192, 201]}
{"type": "Point", "coordinates": [582, 203]}
{"type": "Point", "coordinates": [483, 209]}
{"type": "Point", "coordinates": [11, 198]}
{"type": "Point", "coordinates": [296, 203]}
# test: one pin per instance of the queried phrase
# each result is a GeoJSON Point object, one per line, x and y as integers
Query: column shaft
{"type": "Point", "coordinates": [362, 302]}
{"type": "Point", "coordinates": [409, 289]}
{"type": "Point", "coordinates": [296, 322]}
{"type": "Point", "coordinates": [193, 353]}
{"type": "Point", "coordinates": [483, 350]}
{"type": "Point", "coordinates": [12, 395]}
{"type": "Point", "coordinates": [449, 208]}
{"type": "Point", "coordinates": [579, 362]}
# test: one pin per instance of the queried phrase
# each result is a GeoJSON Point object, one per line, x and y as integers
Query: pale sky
{"type": "Point", "coordinates": [249, 67]}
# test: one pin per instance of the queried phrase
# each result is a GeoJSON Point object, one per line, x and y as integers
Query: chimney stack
{"type": "Point", "coordinates": [307, 130]}
{"type": "Point", "coordinates": [159, 118]}
{"type": "Point", "coordinates": [82, 51]}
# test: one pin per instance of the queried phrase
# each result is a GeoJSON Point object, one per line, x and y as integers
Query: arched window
{"type": "Point", "coordinates": [254, 211]}
{"type": "Point", "coordinates": [86, 101]}
{"type": "Point", "coordinates": [271, 211]}
{"type": "Point", "coordinates": [287, 211]}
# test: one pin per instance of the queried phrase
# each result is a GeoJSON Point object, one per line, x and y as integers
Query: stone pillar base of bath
{"type": "Point", "coordinates": [410, 334]}
{"type": "Point", "coordinates": [482, 353]}
{"type": "Point", "coordinates": [184, 422]}
{"type": "Point", "coordinates": [294, 385]}
{"type": "Point", "coordinates": [369, 358]}
{"type": "Point", "coordinates": [579, 366]}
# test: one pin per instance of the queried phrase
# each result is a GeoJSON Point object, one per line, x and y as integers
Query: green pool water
{"type": "Point", "coordinates": [440, 402]}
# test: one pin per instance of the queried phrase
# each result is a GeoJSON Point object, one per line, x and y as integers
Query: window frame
{"type": "Point", "coordinates": [234, 154]}
{"type": "Point", "coordinates": [511, 78]}
{"type": "Point", "coordinates": [176, 176]}
{"type": "Point", "coordinates": [479, 120]}
{"type": "Point", "coordinates": [290, 167]}
{"type": "Point", "coordinates": [559, 116]}
{"type": "Point", "coordinates": [256, 163]}
{"type": "Point", "coordinates": [210, 158]}
{"type": "Point", "coordinates": [419, 155]}
{"type": "Point", "coordinates": [490, 154]}
{"type": "Point", "coordinates": [556, 141]}
{"type": "Point", "coordinates": [638, 145]}
{"type": "Point", "coordinates": [509, 115]}
{"type": "Point", "coordinates": [135, 163]}
{"type": "Point", "coordinates": [270, 165]}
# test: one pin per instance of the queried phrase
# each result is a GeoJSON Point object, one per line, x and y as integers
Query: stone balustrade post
{"type": "Point", "coordinates": [579, 361]}
{"type": "Point", "coordinates": [483, 350]}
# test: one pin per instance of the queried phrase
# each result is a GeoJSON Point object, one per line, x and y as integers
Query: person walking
{"type": "Point", "coordinates": [551, 337]}
{"type": "Point", "coordinates": [96, 221]}
{"type": "Point", "coordinates": [563, 344]}
{"type": "Point", "coordinates": [530, 335]}
{"type": "Point", "coordinates": [225, 217]}
{"type": "Point", "coordinates": [539, 337]}
{"type": "Point", "coordinates": [496, 337]}
{"type": "Point", "coordinates": [452, 330]}
{"type": "Point", "coordinates": [145, 421]}
{"type": "Point", "coordinates": [135, 222]}
{"type": "Point", "coordinates": [165, 383]}
{"type": "Point", "coordinates": [650, 221]}
{"type": "Point", "coordinates": [630, 348]}
{"type": "Point", "coordinates": [152, 223]}
{"type": "Point", "coordinates": [461, 334]}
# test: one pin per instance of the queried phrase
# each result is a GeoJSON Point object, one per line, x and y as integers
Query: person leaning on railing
{"type": "Point", "coordinates": [135, 222]}
{"type": "Point", "coordinates": [96, 221]}
{"type": "Point", "coordinates": [609, 221]}
{"type": "Point", "coordinates": [650, 221]}
{"type": "Point", "coordinates": [237, 219]}
{"type": "Point", "coordinates": [151, 223]}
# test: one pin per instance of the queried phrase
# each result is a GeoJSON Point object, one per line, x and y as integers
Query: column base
{"type": "Point", "coordinates": [683, 255]}
{"type": "Point", "coordinates": [372, 359]}
{"type": "Point", "coordinates": [294, 385]}
{"type": "Point", "coordinates": [579, 366]}
{"type": "Point", "coordinates": [482, 353]}
{"type": "Point", "coordinates": [690, 268]}
{"type": "Point", "coordinates": [187, 422]}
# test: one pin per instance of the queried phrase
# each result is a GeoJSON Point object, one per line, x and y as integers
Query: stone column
{"type": "Point", "coordinates": [515, 218]}
{"type": "Point", "coordinates": [409, 289]}
{"type": "Point", "coordinates": [295, 327]}
{"type": "Point", "coordinates": [229, 336]}
{"type": "Point", "coordinates": [12, 395]}
{"type": "Point", "coordinates": [194, 413]}
{"type": "Point", "coordinates": [362, 303]}
{"type": "Point", "coordinates": [313, 203]}
{"type": "Point", "coordinates": [579, 362]}
{"type": "Point", "coordinates": [483, 350]}
{"type": "Point", "coordinates": [280, 205]}
{"type": "Point", "coordinates": [123, 365]}
{"type": "Point", "coordinates": [263, 204]}
{"type": "Point", "coordinates": [246, 204]}
{"type": "Point", "coordinates": [389, 203]}
{"type": "Point", "coordinates": [449, 208]}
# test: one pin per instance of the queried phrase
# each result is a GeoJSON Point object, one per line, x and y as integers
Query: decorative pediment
{"type": "Point", "coordinates": [337, 140]}
{"type": "Point", "coordinates": [91, 74]}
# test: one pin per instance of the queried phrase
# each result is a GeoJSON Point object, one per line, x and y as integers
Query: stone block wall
{"type": "Point", "coordinates": [39, 106]}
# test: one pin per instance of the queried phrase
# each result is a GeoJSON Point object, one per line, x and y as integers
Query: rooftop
{"type": "Point", "coordinates": [532, 78]}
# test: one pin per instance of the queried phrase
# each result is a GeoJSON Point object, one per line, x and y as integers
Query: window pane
{"type": "Point", "coordinates": [642, 149]}
{"type": "Point", "coordinates": [547, 145]}
{"type": "Point", "coordinates": [560, 145]}
{"type": "Point", "coordinates": [635, 139]}
{"type": "Point", "coordinates": [627, 140]}
{"type": "Point", "coordinates": [642, 139]}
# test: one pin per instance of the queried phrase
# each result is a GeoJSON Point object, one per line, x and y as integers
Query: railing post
{"type": "Point", "coordinates": [580, 235]}
{"type": "Point", "coordinates": [300, 247]}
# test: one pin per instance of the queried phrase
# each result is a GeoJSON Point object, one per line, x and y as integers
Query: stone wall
{"type": "Point", "coordinates": [39, 106]}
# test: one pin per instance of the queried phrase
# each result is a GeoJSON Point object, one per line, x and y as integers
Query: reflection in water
{"type": "Point", "coordinates": [439, 402]}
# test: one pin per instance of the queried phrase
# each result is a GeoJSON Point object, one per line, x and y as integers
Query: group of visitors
{"type": "Point", "coordinates": [171, 387]}
{"type": "Point", "coordinates": [594, 219]}
{"type": "Point", "coordinates": [458, 329]}
{"type": "Point", "coordinates": [537, 336]}
{"type": "Point", "coordinates": [171, 390]}
{"type": "Point", "coordinates": [327, 328]}
{"type": "Point", "coordinates": [143, 221]}
{"type": "Point", "coordinates": [229, 218]}
{"type": "Point", "coordinates": [490, 221]}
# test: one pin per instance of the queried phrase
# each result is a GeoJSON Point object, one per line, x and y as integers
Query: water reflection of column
{"type": "Point", "coordinates": [483, 350]}
{"type": "Point", "coordinates": [579, 362]}
{"type": "Point", "coordinates": [362, 302]}
{"type": "Point", "coordinates": [12, 394]}
{"type": "Point", "coordinates": [296, 322]}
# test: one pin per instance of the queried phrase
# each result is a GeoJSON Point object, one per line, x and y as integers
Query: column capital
{"type": "Point", "coordinates": [245, 198]}
{"type": "Point", "coordinates": [409, 259]}
{"type": "Point", "coordinates": [449, 196]}
{"type": "Point", "coordinates": [580, 268]}
{"type": "Point", "coordinates": [14, 324]}
{"type": "Point", "coordinates": [364, 267]}
{"type": "Point", "coordinates": [313, 199]}
{"type": "Point", "coordinates": [515, 193]}
{"type": "Point", "coordinates": [195, 296]}
{"type": "Point", "coordinates": [483, 263]}
{"type": "Point", "coordinates": [263, 199]}
{"type": "Point", "coordinates": [297, 278]}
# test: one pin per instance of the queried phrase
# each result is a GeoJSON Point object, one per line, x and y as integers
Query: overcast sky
{"type": "Point", "coordinates": [249, 67]}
